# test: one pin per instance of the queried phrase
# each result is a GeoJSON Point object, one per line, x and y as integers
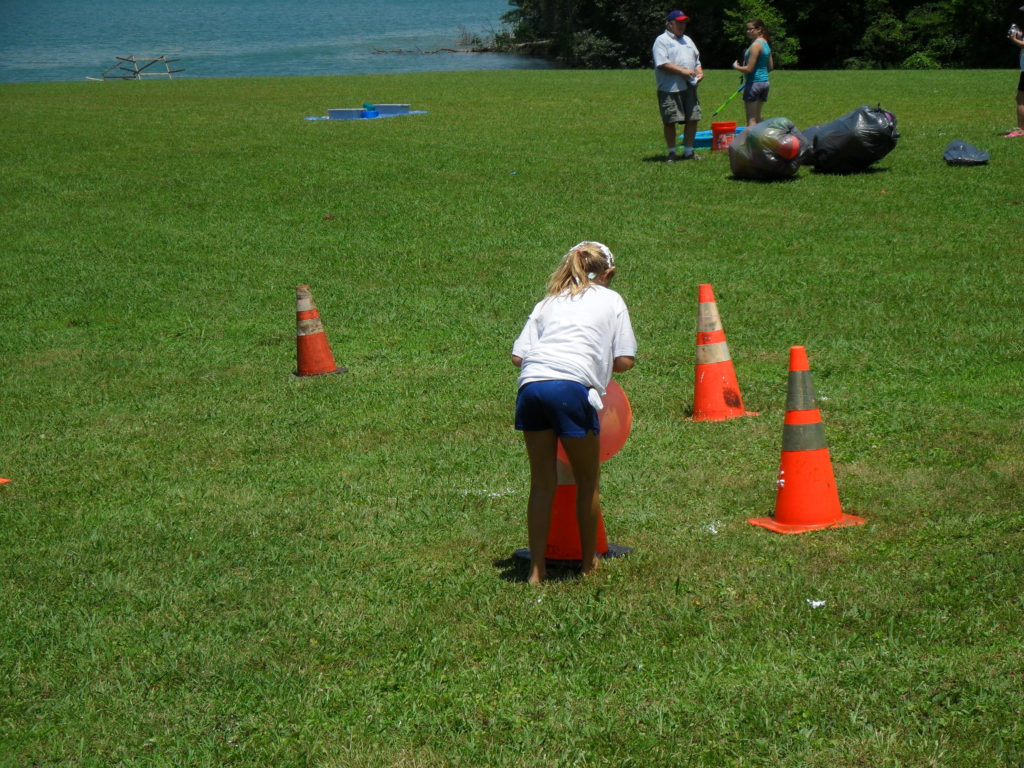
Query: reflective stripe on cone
{"type": "Point", "coordinates": [806, 496]}
{"type": "Point", "coordinates": [313, 353]}
{"type": "Point", "coordinates": [716, 392]}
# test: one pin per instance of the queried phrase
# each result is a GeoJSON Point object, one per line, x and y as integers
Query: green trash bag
{"type": "Point", "coordinates": [772, 149]}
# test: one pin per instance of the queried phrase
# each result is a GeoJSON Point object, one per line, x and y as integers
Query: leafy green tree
{"type": "Point", "coordinates": [933, 38]}
{"type": "Point", "coordinates": [885, 42]}
{"type": "Point", "coordinates": [785, 49]}
{"type": "Point", "coordinates": [611, 33]}
{"type": "Point", "coordinates": [811, 34]}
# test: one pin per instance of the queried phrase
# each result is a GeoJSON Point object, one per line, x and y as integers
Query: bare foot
{"type": "Point", "coordinates": [536, 572]}
{"type": "Point", "coordinates": [594, 564]}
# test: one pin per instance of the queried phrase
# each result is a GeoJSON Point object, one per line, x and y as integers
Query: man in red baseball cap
{"type": "Point", "coordinates": [677, 71]}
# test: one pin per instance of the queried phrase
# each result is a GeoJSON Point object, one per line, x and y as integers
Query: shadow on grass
{"type": "Point", "coordinates": [870, 171]}
{"type": "Point", "coordinates": [518, 569]}
{"type": "Point", "coordinates": [786, 180]}
{"type": "Point", "coordinates": [795, 177]}
{"type": "Point", "coordinates": [662, 158]}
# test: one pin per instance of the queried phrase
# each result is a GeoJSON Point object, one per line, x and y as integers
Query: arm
{"type": "Point", "coordinates": [625, 343]}
{"type": "Point", "coordinates": [752, 57]}
{"type": "Point", "coordinates": [671, 68]}
{"type": "Point", "coordinates": [525, 342]}
{"type": "Point", "coordinates": [771, 62]}
{"type": "Point", "coordinates": [663, 61]}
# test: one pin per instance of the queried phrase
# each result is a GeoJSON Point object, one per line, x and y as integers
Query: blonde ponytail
{"type": "Point", "coordinates": [579, 267]}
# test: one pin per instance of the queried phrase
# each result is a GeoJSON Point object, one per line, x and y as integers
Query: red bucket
{"type": "Point", "coordinates": [722, 135]}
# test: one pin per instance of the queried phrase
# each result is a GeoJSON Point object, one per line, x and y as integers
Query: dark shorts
{"type": "Point", "coordinates": [558, 405]}
{"type": "Point", "coordinates": [679, 106]}
{"type": "Point", "coordinates": [756, 91]}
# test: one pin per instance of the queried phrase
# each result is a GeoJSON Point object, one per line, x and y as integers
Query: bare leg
{"type": "Point", "coordinates": [542, 450]}
{"type": "Point", "coordinates": [670, 136]}
{"type": "Point", "coordinates": [585, 459]}
{"type": "Point", "coordinates": [1020, 110]}
{"type": "Point", "coordinates": [753, 112]}
{"type": "Point", "coordinates": [689, 134]}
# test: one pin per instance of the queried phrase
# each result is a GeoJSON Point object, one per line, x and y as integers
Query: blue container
{"type": "Point", "coordinates": [344, 114]}
{"type": "Point", "coordinates": [392, 109]}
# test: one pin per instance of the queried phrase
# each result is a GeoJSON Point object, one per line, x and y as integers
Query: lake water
{"type": "Point", "coordinates": [75, 39]}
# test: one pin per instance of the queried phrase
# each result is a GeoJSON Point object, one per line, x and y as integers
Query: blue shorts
{"type": "Point", "coordinates": [558, 405]}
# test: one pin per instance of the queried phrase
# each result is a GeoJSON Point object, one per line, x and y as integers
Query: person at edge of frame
{"type": "Point", "coordinates": [1016, 36]}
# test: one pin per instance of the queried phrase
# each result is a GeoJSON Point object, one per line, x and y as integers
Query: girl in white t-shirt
{"type": "Point", "coordinates": [573, 341]}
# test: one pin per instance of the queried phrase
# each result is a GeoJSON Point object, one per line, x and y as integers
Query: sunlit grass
{"type": "Point", "coordinates": [206, 561]}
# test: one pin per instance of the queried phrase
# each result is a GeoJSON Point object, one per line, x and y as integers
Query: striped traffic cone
{"type": "Point", "coordinates": [564, 532]}
{"type": "Point", "coordinates": [313, 353]}
{"type": "Point", "coordinates": [806, 499]}
{"type": "Point", "coordinates": [716, 393]}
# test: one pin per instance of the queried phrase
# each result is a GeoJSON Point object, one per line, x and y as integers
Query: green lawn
{"type": "Point", "coordinates": [206, 561]}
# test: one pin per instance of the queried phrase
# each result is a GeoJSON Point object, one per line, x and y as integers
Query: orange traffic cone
{"type": "Point", "coordinates": [313, 352]}
{"type": "Point", "coordinates": [806, 499]}
{"type": "Point", "coordinates": [716, 393]}
{"type": "Point", "coordinates": [564, 531]}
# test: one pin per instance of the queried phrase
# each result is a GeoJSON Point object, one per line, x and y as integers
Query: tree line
{"type": "Point", "coordinates": [806, 34]}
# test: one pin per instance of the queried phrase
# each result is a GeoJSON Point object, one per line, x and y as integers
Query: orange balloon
{"type": "Point", "coordinates": [789, 147]}
{"type": "Point", "coordinates": [616, 420]}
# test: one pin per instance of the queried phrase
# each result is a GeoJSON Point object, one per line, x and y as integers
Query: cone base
{"type": "Point", "coordinates": [738, 415]}
{"type": "Point", "coordinates": [614, 550]}
{"type": "Point", "coordinates": [339, 369]}
{"type": "Point", "coordinates": [770, 523]}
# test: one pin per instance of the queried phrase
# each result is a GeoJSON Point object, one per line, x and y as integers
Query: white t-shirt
{"type": "Point", "coordinates": [575, 338]}
{"type": "Point", "coordinates": [669, 49]}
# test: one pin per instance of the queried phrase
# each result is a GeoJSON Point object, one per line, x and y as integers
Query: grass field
{"type": "Point", "coordinates": [207, 561]}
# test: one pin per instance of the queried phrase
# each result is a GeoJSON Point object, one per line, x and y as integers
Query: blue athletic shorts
{"type": "Point", "coordinates": [558, 405]}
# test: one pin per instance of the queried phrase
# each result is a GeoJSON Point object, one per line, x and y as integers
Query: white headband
{"type": "Point", "coordinates": [604, 249]}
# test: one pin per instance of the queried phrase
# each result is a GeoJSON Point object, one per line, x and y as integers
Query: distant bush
{"type": "Point", "coordinates": [592, 50]}
{"type": "Point", "coordinates": [920, 60]}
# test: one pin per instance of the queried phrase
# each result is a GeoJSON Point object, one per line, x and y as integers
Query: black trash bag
{"type": "Point", "coordinates": [854, 141]}
{"type": "Point", "coordinates": [772, 149]}
{"type": "Point", "coordinates": [809, 134]}
{"type": "Point", "coordinates": [959, 152]}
